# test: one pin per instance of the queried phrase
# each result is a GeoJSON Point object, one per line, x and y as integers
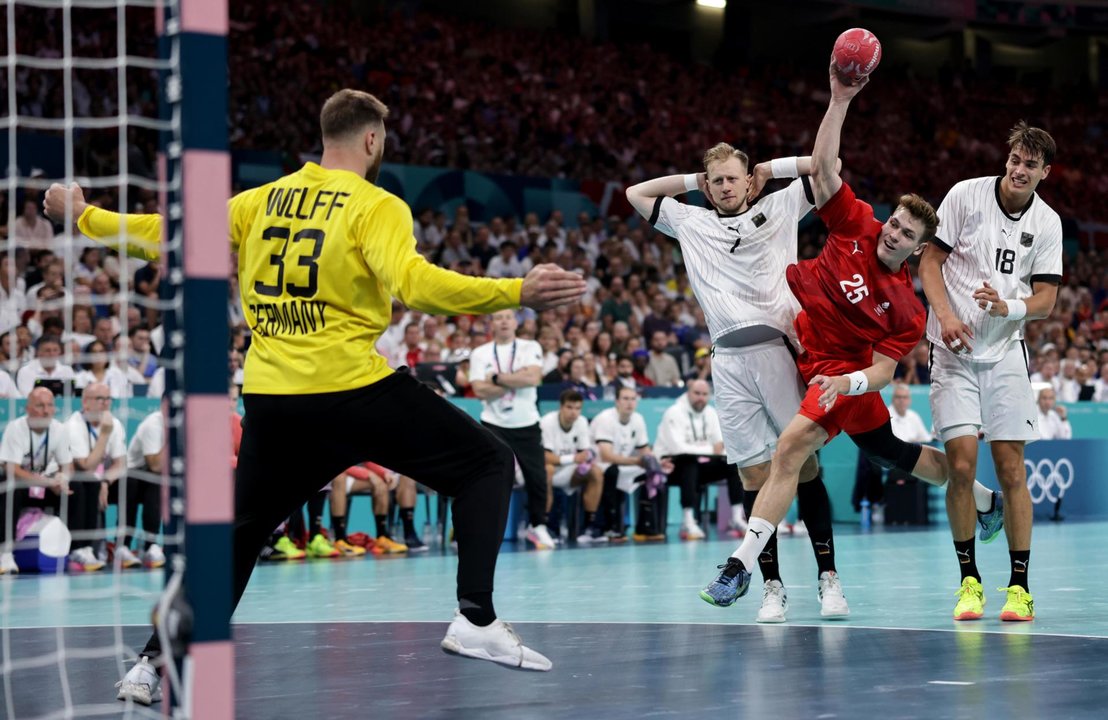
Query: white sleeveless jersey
{"type": "Point", "coordinates": [736, 264]}
{"type": "Point", "coordinates": [987, 244]}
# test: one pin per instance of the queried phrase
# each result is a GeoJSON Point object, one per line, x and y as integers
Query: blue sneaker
{"type": "Point", "coordinates": [731, 584]}
{"type": "Point", "coordinates": [992, 522]}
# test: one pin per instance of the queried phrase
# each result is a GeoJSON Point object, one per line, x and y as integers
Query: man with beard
{"type": "Point", "coordinates": [322, 252]}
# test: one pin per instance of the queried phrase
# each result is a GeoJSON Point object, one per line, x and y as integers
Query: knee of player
{"type": "Point", "coordinates": [1011, 476]}
{"type": "Point", "coordinates": [962, 470]}
{"type": "Point", "coordinates": [789, 457]}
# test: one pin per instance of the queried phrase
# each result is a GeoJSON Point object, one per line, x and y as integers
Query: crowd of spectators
{"type": "Point", "coordinates": [468, 94]}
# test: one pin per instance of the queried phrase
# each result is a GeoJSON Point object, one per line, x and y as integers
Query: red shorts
{"type": "Point", "coordinates": [851, 414]}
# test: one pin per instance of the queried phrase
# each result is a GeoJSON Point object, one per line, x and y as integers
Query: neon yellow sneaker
{"type": "Point", "coordinates": [286, 549]}
{"type": "Point", "coordinates": [971, 600]}
{"type": "Point", "coordinates": [348, 550]}
{"type": "Point", "coordinates": [1020, 607]}
{"type": "Point", "coordinates": [320, 547]}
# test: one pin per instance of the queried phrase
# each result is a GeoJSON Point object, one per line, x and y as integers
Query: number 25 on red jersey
{"type": "Point", "coordinates": [855, 288]}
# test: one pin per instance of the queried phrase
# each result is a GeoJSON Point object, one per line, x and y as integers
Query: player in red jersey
{"type": "Point", "coordinates": [859, 316]}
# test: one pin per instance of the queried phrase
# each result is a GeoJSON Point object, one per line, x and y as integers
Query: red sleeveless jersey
{"type": "Point", "coordinates": [852, 304]}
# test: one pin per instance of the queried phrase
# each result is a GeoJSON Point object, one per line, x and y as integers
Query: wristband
{"type": "Point", "coordinates": [859, 383]}
{"type": "Point", "coordinates": [1017, 309]}
{"type": "Point", "coordinates": [691, 183]}
{"type": "Point", "coordinates": [565, 459]}
{"type": "Point", "coordinates": [495, 379]}
{"type": "Point", "coordinates": [784, 167]}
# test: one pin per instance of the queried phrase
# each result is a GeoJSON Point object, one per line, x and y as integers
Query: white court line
{"type": "Point", "coordinates": [836, 625]}
{"type": "Point", "coordinates": [949, 682]}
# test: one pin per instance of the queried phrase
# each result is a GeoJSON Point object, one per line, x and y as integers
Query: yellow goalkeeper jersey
{"type": "Point", "coordinates": [321, 254]}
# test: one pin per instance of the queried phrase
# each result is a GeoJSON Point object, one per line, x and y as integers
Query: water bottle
{"type": "Point", "coordinates": [867, 517]}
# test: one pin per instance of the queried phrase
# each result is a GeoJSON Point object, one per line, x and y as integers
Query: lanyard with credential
{"type": "Point", "coordinates": [511, 362]}
{"type": "Point", "coordinates": [44, 448]}
{"type": "Point", "coordinates": [702, 436]}
{"type": "Point", "coordinates": [507, 398]}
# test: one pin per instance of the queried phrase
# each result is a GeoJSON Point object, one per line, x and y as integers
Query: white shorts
{"type": "Point", "coordinates": [758, 392]}
{"type": "Point", "coordinates": [994, 397]}
{"type": "Point", "coordinates": [563, 475]}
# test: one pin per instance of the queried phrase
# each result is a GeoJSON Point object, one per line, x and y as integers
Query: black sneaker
{"type": "Point", "coordinates": [592, 536]}
{"type": "Point", "coordinates": [415, 545]}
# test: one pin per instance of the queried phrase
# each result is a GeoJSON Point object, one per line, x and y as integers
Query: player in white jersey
{"type": "Point", "coordinates": [997, 262]}
{"type": "Point", "coordinates": [571, 460]}
{"type": "Point", "coordinates": [736, 254]}
{"type": "Point", "coordinates": [626, 461]}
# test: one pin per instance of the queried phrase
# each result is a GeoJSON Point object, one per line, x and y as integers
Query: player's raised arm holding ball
{"type": "Point", "coordinates": [859, 315]}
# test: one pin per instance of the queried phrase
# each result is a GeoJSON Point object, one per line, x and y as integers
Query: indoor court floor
{"type": "Point", "coordinates": [627, 633]}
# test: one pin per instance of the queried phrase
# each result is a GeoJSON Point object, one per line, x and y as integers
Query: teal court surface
{"type": "Point", "coordinates": [625, 629]}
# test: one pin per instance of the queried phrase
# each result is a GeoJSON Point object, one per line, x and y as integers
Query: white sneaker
{"type": "Point", "coordinates": [141, 684]}
{"type": "Point", "coordinates": [540, 536]}
{"type": "Point", "coordinates": [7, 564]}
{"type": "Point", "coordinates": [831, 599]}
{"type": "Point", "coordinates": [775, 602]}
{"type": "Point", "coordinates": [84, 560]}
{"type": "Point", "coordinates": [877, 514]}
{"type": "Point", "coordinates": [800, 529]}
{"type": "Point", "coordinates": [784, 528]}
{"type": "Point", "coordinates": [127, 559]}
{"type": "Point", "coordinates": [497, 642]}
{"type": "Point", "coordinates": [692, 531]}
{"type": "Point", "coordinates": [153, 557]}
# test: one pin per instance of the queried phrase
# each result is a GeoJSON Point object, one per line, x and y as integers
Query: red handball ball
{"type": "Point", "coordinates": [857, 53]}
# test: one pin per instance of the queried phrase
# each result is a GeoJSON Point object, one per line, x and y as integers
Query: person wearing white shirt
{"type": "Point", "coordinates": [570, 460]}
{"type": "Point", "coordinates": [31, 230]}
{"type": "Point", "coordinates": [7, 386]}
{"type": "Point", "coordinates": [506, 264]}
{"type": "Point", "coordinates": [98, 446]}
{"type": "Point", "coordinates": [144, 468]}
{"type": "Point", "coordinates": [996, 263]}
{"type": "Point", "coordinates": [1068, 388]}
{"type": "Point", "coordinates": [625, 457]}
{"type": "Point", "coordinates": [98, 369]}
{"type": "Point", "coordinates": [906, 422]}
{"type": "Point", "coordinates": [690, 436]}
{"type": "Point", "coordinates": [13, 297]}
{"type": "Point", "coordinates": [1053, 423]}
{"type": "Point", "coordinates": [46, 366]}
{"type": "Point", "coordinates": [35, 451]}
{"type": "Point", "coordinates": [504, 374]}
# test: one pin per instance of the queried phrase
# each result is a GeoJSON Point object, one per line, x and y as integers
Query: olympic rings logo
{"type": "Point", "coordinates": [1046, 476]}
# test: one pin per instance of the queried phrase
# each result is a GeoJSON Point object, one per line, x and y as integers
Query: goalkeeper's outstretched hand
{"type": "Point", "coordinates": [59, 198]}
{"type": "Point", "coordinates": [548, 285]}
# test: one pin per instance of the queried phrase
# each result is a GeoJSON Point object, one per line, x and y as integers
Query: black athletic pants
{"type": "Point", "coordinates": [526, 443]}
{"type": "Point", "coordinates": [293, 445]}
{"type": "Point", "coordinates": [690, 474]}
{"type": "Point", "coordinates": [139, 492]}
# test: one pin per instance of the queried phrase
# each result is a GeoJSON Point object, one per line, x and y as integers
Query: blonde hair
{"type": "Point", "coordinates": [723, 152]}
{"type": "Point", "coordinates": [921, 210]}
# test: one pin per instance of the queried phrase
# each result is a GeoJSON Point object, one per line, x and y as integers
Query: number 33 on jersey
{"type": "Point", "coordinates": [321, 252]}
